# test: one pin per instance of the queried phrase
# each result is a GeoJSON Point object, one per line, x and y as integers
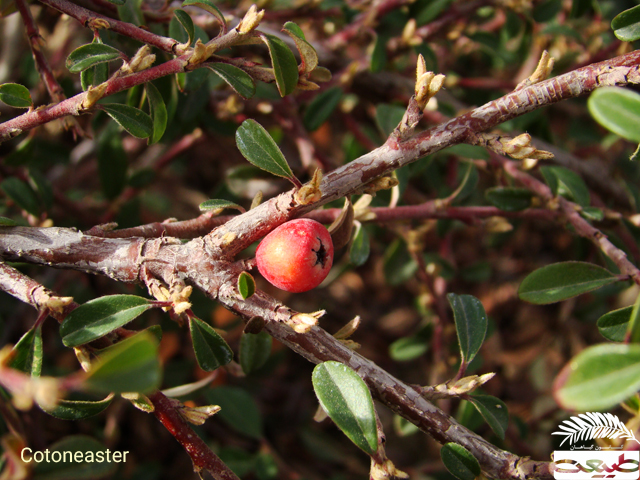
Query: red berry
{"type": "Point", "coordinates": [296, 256]}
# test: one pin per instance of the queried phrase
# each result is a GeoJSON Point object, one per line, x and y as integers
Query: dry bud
{"type": "Point", "coordinates": [250, 21]}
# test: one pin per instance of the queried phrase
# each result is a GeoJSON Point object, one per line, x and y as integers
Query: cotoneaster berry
{"type": "Point", "coordinates": [296, 256]}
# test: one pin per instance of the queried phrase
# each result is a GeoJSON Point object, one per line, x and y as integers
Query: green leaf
{"type": "Point", "coordinates": [218, 204]}
{"type": "Point", "coordinates": [617, 109]}
{"type": "Point", "coordinates": [468, 183]}
{"type": "Point", "coordinates": [158, 112]}
{"type": "Point", "coordinates": [131, 365]}
{"type": "Point", "coordinates": [237, 78]}
{"type": "Point", "coordinates": [493, 410]}
{"type": "Point", "coordinates": [592, 213]}
{"type": "Point", "coordinates": [209, 7]}
{"type": "Point", "coordinates": [42, 187]}
{"type": "Point", "coordinates": [101, 316]}
{"type": "Point", "coordinates": [397, 263]}
{"type": "Point", "coordinates": [95, 75]}
{"type": "Point", "coordinates": [560, 281]}
{"type": "Point", "coordinates": [360, 247]}
{"type": "Point", "coordinates": [246, 285]}
{"type": "Point", "coordinates": [112, 161]}
{"type": "Point", "coordinates": [409, 348]}
{"type": "Point", "coordinates": [285, 67]}
{"type": "Point", "coordinates": [7, 222]}
{"type": "Point", "coordinates": [613, 325]}
{"type": "Point", "coordinates": [255, 349]}
{"type": "Point", "coordinates": [563, 181]}
{"type": "Point", "coordinates": [379, 53]}
{"type": "Point", "coordinates": [388, 117]}
{"type": "Point", "coordinates": [599, 377]}
{"type": "Point", "coordinates": [73, 447]}
{"type": "Point", "coordinates": [321, 108]}
{"type": "Point", "coordinates": [633, 330]}
{"type": "Point", "coordinates": [308, 54]}
{"type": "Point", "coordinates": [238, 410]}
{"type": "Point", "coordinates": [27, 353]}
{"type": "Point", "coordinates": [257, 146]}
{"type": "Point", "coordinates": [133, 120]}
{"type": "Point", "coordinates": [22, 194]}
{"type": "Point", "coordinates": [430, 10]}
{"type": "Point", "coordinates": [210, 348]}
{"type": "Point", "coordinates": [78, 409]}
{"type": "Point", "coordinates": [117, 2]}
{"type": "Point", "coordinates": [186, 22]}
{"type": "Point", "coordinates": [15, 95]}
{"type": "Point", "coordinates": [459, 461]}
{"type": "Point", "coordinates": [509, 199]}
{"type": "Point", "coordinates": [131, 12]}
{"type": "Point", "coordinates": [345, 397]}
{"type": "Point", "coordinates": [471, 324]}
{"type": "Point", "coordinates": [90, 55]}
{"type": "Point", "coordinates": [626, 25]}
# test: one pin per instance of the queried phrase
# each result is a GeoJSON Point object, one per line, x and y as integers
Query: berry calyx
{"type": "Point", "coordinates": [296, 256]}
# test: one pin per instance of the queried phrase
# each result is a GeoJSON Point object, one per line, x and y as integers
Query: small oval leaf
{"type": "Point", "coordinates": [345, 397]}
{"type": "Point", "coordinates": [617, 109]}
{"type": "Point", "coordinates": [509, 199]}
{"type": "Point", "coordinates": [626, 25]}
{"type": "Point", "coordinates": [321, 108]}
{"type": "Point", "coordinates": [210, 348]}
{"type": "Point", "coordinates": [218, 204]}
{"type": "Point", "coordinates": [132, 119]}
{"type": "Point", "coordinates": [308, 54]}
{"type": "Point", "coordinates": [460, 462]}
{"type": "Point", "coordinates": [238, 409]}
{"type": "Point", "coordinates": [101, 316]}
{"type": "Point", "coordinates": [78, 409]}
{"type": "Point", "coordinates": [15, 95]}
{"type": "Point", "coordinates": [246, 285]}
{"type": "Point", "coordinates": [237, 78]}
{"type": "Point", "coordinates": [563, 181]}
{"type": "Point", "coordinates": [612, 370]}
{"type": "Point", "coordinates": [257, 146]}
{"type": "Point", "coordinates": [90, 55]}
{"type": "Point", "coordinates": [560, 281]}
{"type": "Point", "coordinates": [613, 325]}
{"type": "Point", "coordinates": [186, 22]}
{"type": "Point", "coordinates": [255, 349]}
{"type": "Point", "coordinates": [471, 324]}
{"type": "Point", "coordinates": [27, 353]}
{"type": "Point", "coordinates": [158, 112]}
{"type": "Point", "coordinates": [285, 67]}
{"type": "Point", "coordinates": [493, 410]}
{"type": "Point", "coordinates": [209, 7]}
{"type": "Point", "coordinates": [22, 194]}
{"type": "Point", "coordinates": [131, 365]}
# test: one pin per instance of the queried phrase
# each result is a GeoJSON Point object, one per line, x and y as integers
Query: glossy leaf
{"type": "Point", "coordinates": [210, 348]}
{"type": "Point", "coordinates": [471, 324]}
{"type": "Point", "coordinates": [459, 461]}
{"type": "Point", "coordinates": [78, 409]}
{"type": "Point", "coordinates": [209, 7]}
{"type": "Point", "coordinates": [599, 377]}
{"type": "Point", "coordinates": [90, 55]}
{"type": "Point", "coordinates": [218, 204]}
{"type": "Point", "coordinates": [131, 365]}
{"type": "Point", "coordinates": [494, 411]}
{"type": "Point", "coordinates": [308, 54]}
{"type": "Point", "coordinates": [89, 469]}
{"type": "Point", "coordinates": [257, 146]}
{"type": "Point", "coordinates": [133, 120]}
{"type": "Point", "coordinates": [96, 74]}
{"type": "Point", "coordinates": [618, 110]}
{"type": "Point", "coordinates": [237, 78]}
{"type": "Point", "coordinates": [15, 95]}
{"type": "Point", "coordinates": [613, 325]}
{"type": "Point", "coordinates": [157, 111]}
{"type": "Point", "coordinates": [509, 199]}
{"type": "Point", "coordinates": [22, 194]}
{"type": "Point", "coordinates": [238, 410]}
{"type": "Point", "coordinates": [345, 397]}
{"type": "Point", "coordinates": [321, 108]}
{"type": "Point", "coordinates": [360, 247]}
{"type": "Point", "coordinates": [561, 281]}
{"type": "Point", "coordinates": [285, 67]}
{"type": "Point", "coordinates": [255, 349]}
{"type": "Point", "coordinates": [626, 25]}
{"type": "Point", "coordinates": [27, 353]}
{"type": "Point", "coordinates": [186, 22]}
{"type": "Point", "coordinates": [101, 316]}
{"type": "Point", "coordinates": [246, 285]}
{"type": "Point", "coordinates": [563, 181]}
